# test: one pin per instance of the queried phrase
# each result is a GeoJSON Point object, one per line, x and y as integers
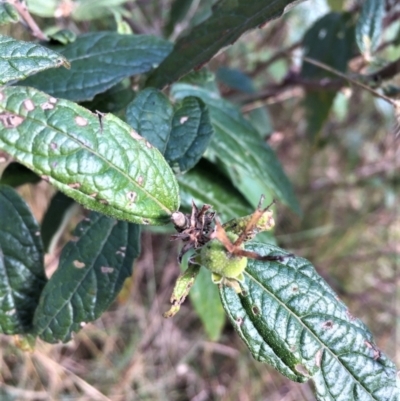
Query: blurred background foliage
{"type": "Point", "coordinates": [339, 146]}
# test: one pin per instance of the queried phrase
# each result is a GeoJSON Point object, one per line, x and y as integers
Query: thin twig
{"type": "Point", "coordinates": [24, 13]}
{"type": "Point", "coordinates": [353, 81]}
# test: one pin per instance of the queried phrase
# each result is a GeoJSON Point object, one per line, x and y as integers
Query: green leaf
{"type": "Point", "coordinates": [230, 19]}
{"type": "Point", "coordinates": [190, 134]}
{"type": "Point", "coordinates": [87, 10]}
{"type": "Point", "coordinates": [369, 26]}
{"type": "Point", "coordinates": [331, 41]}
{"type": "Point", "coordinates": [150, 113]}
{"type": "Point", "coordinates": [290, 318]}
{"type": "Point", "coordinates": [336, 5]}
{"type": "Point", "coordinates": [43, 8]}
{"type": "Point", "coordinates": [318, 105]}
{"type": "Point", "coordinates": [178, 11]}
{"type": "Point", "coordinates": [206, 302]}
{"type": "Point", "coordinates": [8, 14]}
{"type": "Point", "coordinates": [99, 60]}
{"type": "Point", "coordinates": [235, 79]}
{"type": "Point", "coordinates": [92, 270]}
{"type": "Point", "coordinates": [182, 134]}
{"type": "Point", "coordinates": [22, 275]}
{"type": "Point", "coordinates": [19, 59]}
{"type": "Point", "coordinates": [17, 174]}
{"type": "Point", "coordinates": [205, 184]}
{"type": "Point", "coordinates": [238, 145]}
{"type": "Point", "coordinates": [55, 215]}
{"type": "Point", "coordinates": [62, 36]}
{"type": "Point", "coordinates": [112, 100]}
{"type": "Point", "coordinates": [98, 161]}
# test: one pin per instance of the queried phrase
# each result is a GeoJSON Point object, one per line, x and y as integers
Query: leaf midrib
{"type": "Point", "coordinates": [40, 123]}
{"type": "Point", "coordinates": [291, 313]}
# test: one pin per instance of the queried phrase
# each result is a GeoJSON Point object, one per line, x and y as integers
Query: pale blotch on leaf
{"type": "Point", "coordinates": [47, 106]}
{"type": "Point", "coordinates": [140, 180]}
{"type": "Point", "coordinates": [28, 104]}
{"type": "Point", "coordinates": [81, 121]}
{"type": "Point", "coordinates": [53, 146]}
{"type": "Point", "coordinates": [52, 100]}
{"type": "Point", "coordinates": [148, 144]}
{"type": "Point", "coordinates": [10, 120]}
{"type": "Point", "coordinates": [131, 196]}
{"type": "Point", "coordinates": [327, 325]}
{"type": "Point", "coordinates": [302, 369]}
{"type": "Point", "coordinates": [318, 357]}
{"type": "Point", "coordinates": [183, 119]}
{"type": "Point", "coordinates": [37, 233]}
{"type": "Point", "coordinates": [78, 264]}
{"type": "Point", "coordinates": [107, 269]}
{"type": "Point", "coordinates": [350, 316]}
{"type": "Point", "coordinates": [121, 251]}
{"type": "Point", "coordinates": [93, 195]}
{"type": "Point", "coordinates": [75, 185]}
{"type": "Point", "coordinates": [135, 135]}
{"type": "Point", "coordinates": [1, 96]}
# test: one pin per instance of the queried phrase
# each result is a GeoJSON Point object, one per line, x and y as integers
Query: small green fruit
{"type": "Point", "coordinates": [216, 258]}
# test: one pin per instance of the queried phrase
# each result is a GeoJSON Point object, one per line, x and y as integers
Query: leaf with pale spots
{"type": "Point", "coordinates": [22, 275]}
{"type": "Point", "coordinates": [93, 267]}
{"type": "Point", "coordinates": [181, 133]}
{"type": "Point", "coordinates": [98, 160]}
{"type": "Point", "coordinates": [291, 319]}
{"type": "Point", "coordinates": [237, 144]}
{"type": "Point", "coordinates": [20, 59]}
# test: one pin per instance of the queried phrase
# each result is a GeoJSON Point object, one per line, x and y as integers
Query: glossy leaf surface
{"type": "Point", "coordinates": [43, 8]}
{"type": "Point", "coordinates": [206, 185]}
{"type": "Point", "coordinates": [182, 133]}
{"type": "Point", "coordinates": [206, 302]}
{"type": "Point", "coordinates": [22, 275]}
{"type": "Point", "coordinates": [230, 19]}
{"type": "Point", "coordinates": [99, 61]}
{"type": "Point", "coordinates": [55, 214]}
{"type": "Point", "coordinates": [238, 145]}
{"type": "Point", "coordinates": [369, 26]}
{"type": "Point", "coordinates": [101, 163]}
{"type": "Point", "coordinates": [19, 59]}
{"type": "Point", "coordinates": [291, 319]}
{"type": "Point", "coordinates": [87, 10]}
{"type": "Point", "coordinates": [92, 270]}
{"type": "Point", "coordinates": [8, 14]}
{"type": "Point", "coordinates": [331, 41]}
